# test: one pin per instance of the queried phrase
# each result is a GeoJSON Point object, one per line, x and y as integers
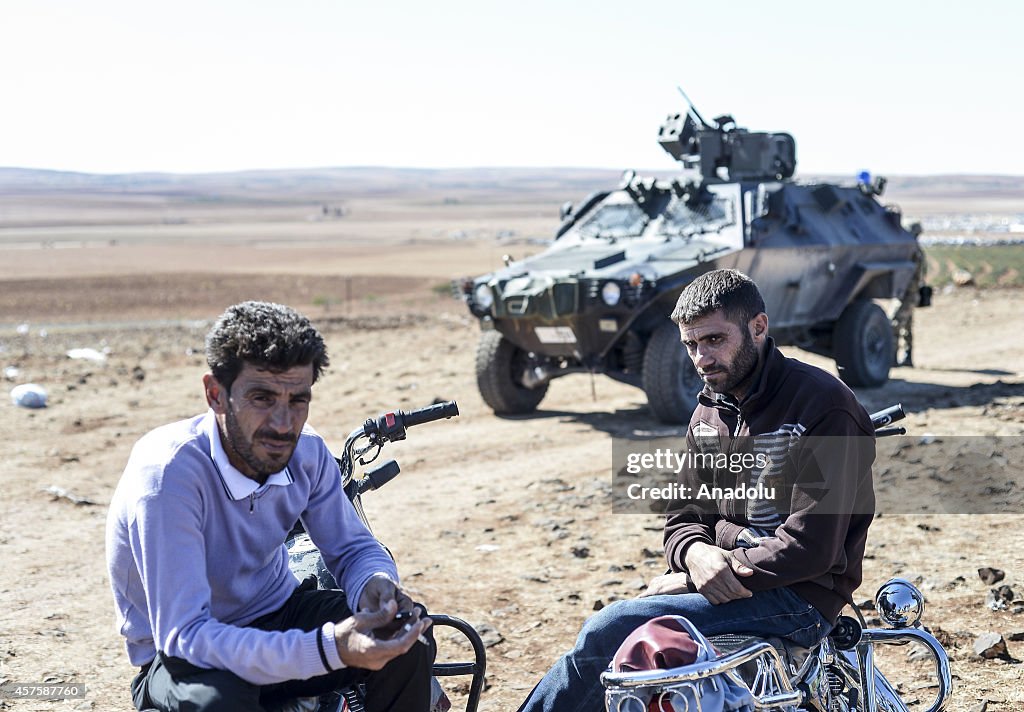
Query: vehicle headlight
{"type": "Point", "coordinates": [611, 293]}
{"type": "Point", "coordinates": [483, 297]}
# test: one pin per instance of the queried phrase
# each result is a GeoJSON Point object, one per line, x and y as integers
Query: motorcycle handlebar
{"type": "Point", "coordinates": [388, 427]}
{"type": "Point", "coordinates": [438, 411]}
{"type": "Point", "coordinates": [391, 426]}
{"type": "Point", "coordinates": [888, 416]}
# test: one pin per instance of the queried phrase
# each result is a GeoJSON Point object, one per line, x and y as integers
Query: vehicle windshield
{"type": "Point", "coordinates": [615, 220]}
{"type": "Point", "coordinates": [698, 218]}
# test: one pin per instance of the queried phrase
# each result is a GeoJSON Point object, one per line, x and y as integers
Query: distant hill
{"type": "Point", "coordinates": [952, 186]}
{"type": "Point", "coordinates": [332, 183]}
{"type": "Point", "coordinates": [314, 182]}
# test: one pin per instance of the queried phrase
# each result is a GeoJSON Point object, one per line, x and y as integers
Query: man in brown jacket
{"type": "Point", "coordinates": [784, 558]}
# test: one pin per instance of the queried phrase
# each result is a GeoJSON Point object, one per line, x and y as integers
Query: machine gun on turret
{"type": "Point", "coordinates": [723, 152]}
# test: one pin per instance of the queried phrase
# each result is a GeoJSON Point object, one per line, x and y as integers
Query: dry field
{"type": "Point", "coordinates": [505, 522]}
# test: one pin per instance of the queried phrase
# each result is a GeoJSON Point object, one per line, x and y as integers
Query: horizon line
{"type": "Point", "coordinates": [460, 168]}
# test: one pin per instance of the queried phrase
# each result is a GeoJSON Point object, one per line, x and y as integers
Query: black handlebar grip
{"type": "Point", "coordinates": [379, 476]}
{"type": "Point", "coordinates": [437, 411]}
{"type": "Point", "coordinates": [887, 416]}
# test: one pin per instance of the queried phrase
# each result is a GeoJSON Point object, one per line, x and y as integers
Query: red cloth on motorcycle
{"type": "Point", "coordinates": [659, 644]}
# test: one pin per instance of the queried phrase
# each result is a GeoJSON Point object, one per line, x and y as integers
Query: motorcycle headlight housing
{"type": "Point", "coordinates": [899, 603]}
{"type": "Point", "coordinates": [483, 297]}
{"type": "Point", "coordinates": [611, 293]}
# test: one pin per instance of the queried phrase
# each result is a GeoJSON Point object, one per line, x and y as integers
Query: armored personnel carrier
{"type": "Point", "coordinates": [839, 273]}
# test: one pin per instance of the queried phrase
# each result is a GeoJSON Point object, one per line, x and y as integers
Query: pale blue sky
{"type": "Point", "coordinates": [128, 85]}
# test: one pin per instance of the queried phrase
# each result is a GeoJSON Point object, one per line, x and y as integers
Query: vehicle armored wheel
{"type": "Point", "coordinates": [499, 369]}
{"type": "Point", "coordinates": [863, 345]}
{"type": "Point", "coordinates": [669, 379]}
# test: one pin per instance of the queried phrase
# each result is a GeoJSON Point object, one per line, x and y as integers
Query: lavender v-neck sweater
{"type": "Point", "coordinates": [190, 566]}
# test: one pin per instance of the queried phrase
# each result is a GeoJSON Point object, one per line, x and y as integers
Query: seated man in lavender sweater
{"type": "Point", "coordinates": [195, 545]}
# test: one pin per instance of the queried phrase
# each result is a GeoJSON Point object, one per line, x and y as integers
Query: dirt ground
{"type": "Point", "coordinates": [505, 522]}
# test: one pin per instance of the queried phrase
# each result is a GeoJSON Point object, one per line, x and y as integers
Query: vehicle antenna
{"type": "Point", "coordinates": [693, 109]}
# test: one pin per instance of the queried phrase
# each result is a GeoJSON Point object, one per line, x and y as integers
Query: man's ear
{"type": "Point", "coordinates": [216, 394]}
{"type": "Point", "coordinates": [759, 328]}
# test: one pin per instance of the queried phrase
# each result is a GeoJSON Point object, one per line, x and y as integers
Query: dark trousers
{"type": "Point", "coordinates": [171, 684]}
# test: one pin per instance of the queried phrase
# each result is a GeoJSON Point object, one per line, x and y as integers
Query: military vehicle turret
{"type": "Point", "coordinates": [839, 272]}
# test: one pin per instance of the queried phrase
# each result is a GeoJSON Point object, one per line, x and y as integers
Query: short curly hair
{"type": "Point", "coordinates": [727, 290]}
{"type": "Point", "coordinates": [264, 334]}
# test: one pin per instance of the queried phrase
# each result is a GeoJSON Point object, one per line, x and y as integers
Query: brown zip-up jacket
{"type": "Point", "coordinates": [819, 444]}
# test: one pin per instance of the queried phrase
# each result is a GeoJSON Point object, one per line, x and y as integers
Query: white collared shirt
{"type": "Point", "coordinates": [238, 485]}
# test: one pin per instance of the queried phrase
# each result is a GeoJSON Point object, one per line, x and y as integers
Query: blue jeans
{"type": "Point", "coordinates": [574, 683]}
